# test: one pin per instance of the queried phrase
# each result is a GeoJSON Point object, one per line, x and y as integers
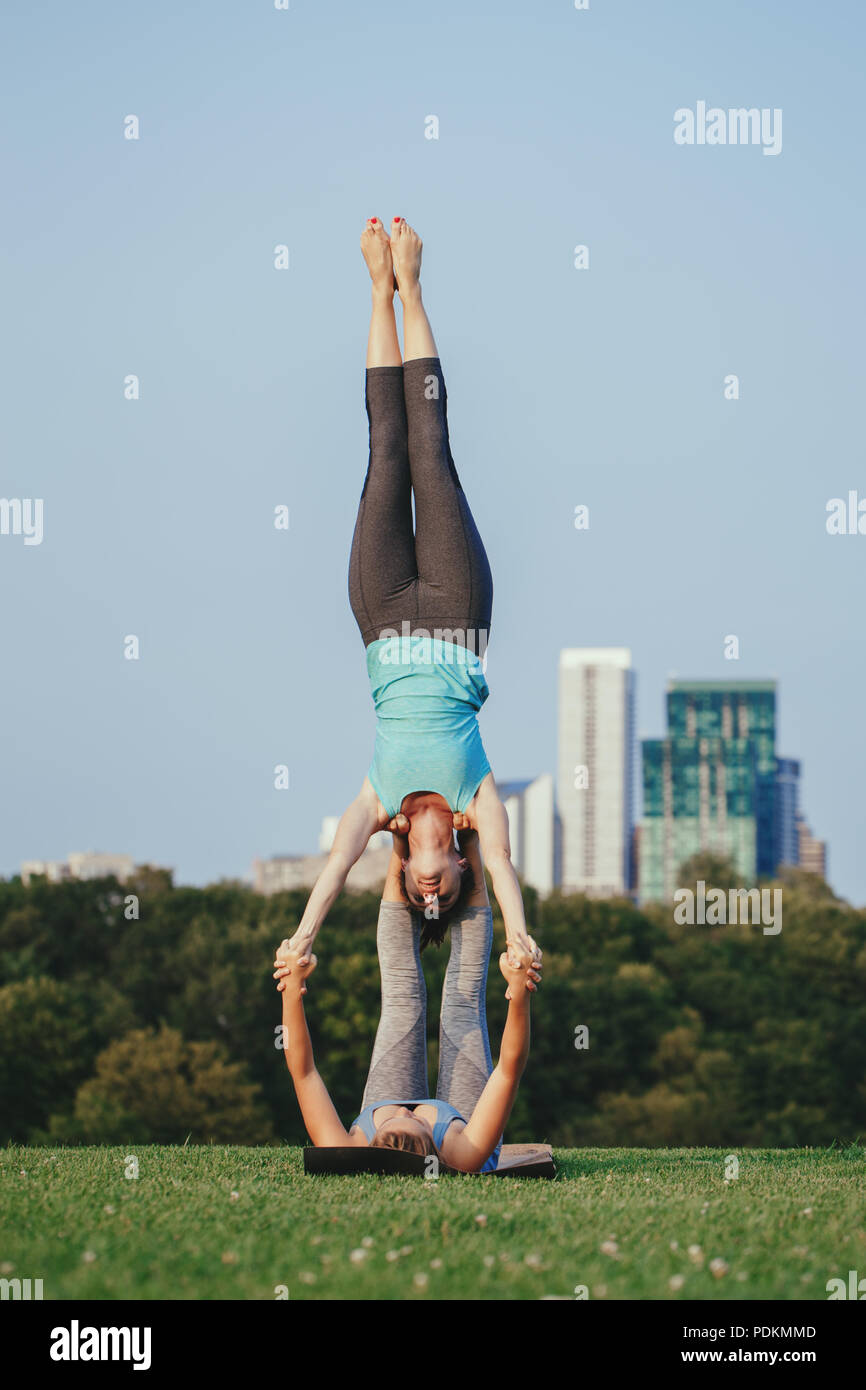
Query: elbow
{"type": "Point", "coordinates": [499, 861]}
{"type": "Point", "coordinates": [339, 864]}
{"type": "Point", "coordinates": [512, 1070]}
{"type": "Point", "coordinates": [299, 1069]}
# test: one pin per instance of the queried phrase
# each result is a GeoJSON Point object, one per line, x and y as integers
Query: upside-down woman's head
{"type": "Point", "coordinates": [437, 888]}
{"type": "Point", "coordinates": [406, 1133]}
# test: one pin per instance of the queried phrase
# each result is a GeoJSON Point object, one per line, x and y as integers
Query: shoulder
{"type": "Point", "coordinates": [369, 798]}
{"type": "Point", "coordinates": [486, 795]}
{"type": "Point", "coordinates": [456, 1152]}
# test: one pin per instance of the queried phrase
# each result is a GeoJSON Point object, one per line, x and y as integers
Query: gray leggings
{"type": "Point", "coordinates": [398, 1067]}
{"type": "Point", "coordinates": [437, 577]}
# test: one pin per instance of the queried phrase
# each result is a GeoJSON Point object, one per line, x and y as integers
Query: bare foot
{"type": "Point", "coordinates": [376, 250]}
{"type": "Point", "coordinates": [406, 247]}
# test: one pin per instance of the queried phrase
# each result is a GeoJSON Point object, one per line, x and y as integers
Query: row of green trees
{"type": "Point", "coordinates": [166, 1027]}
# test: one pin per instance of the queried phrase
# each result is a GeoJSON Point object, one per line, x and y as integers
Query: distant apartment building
{"type": "Point", "coordinates": [81, 865]}
{"type": "Point", "coordinates": [288, 871]}
{"type": "Point", "coordinates": [595, 770]}
{"type": "Point", "coordinates": [813, 853]}
{"type": "Point", "coordinates": [715, 785]}
{"type": "Point", "coordinates": [284, 872]}
{"type": "Point", "coordinates": [55, 870]}
{"type": "Point", "coordinates": [532, 817]}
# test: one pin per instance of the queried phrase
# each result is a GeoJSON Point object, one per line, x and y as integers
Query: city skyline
{"type": "Point", "coordinates": [597, 380]}
{"type": "Point", "coordinates": [713, 784]}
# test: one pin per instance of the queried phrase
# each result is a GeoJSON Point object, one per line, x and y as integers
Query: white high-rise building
{"type": "Point", "coordinates": [532, 829]}
{"type": "Point", "coordinates": [595, 792]}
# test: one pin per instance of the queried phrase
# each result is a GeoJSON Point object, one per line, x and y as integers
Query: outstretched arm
{"type": "Point", "coordinates": [321, 1119]}
{"type": "Point", "coordinates": [492, 823]}
{"type": "Point", "coordinates": [473, 1145]}
{"type": "Point", "coordinates": [357, 823]}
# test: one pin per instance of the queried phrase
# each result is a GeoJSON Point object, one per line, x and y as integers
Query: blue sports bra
{"type": "Point", "coordinates": [446, 1115]}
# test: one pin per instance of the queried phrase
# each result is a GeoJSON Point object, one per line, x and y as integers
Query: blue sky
{"type": "Point", "coordinates": [602, 387]}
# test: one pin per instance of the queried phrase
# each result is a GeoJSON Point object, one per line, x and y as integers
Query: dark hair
{"type": "Point", "coordinates": [434, 929]}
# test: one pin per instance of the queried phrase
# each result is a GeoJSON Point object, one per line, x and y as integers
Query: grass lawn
{"type": "Point", "coordinates": [208, 1223]}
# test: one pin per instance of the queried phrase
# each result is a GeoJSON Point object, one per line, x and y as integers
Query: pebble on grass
{"type": "Point", "coordinates": [718, 1268]}
{"type": "Point", "coordinates": [358, 1256]}
{"type": "Point", "coordinates": [420, 1280]}
{"type": "Point", "coordinates": [88, 1257]}
{"type": "Point", "coordinates": [676, 1282]}
{"type": "Point", "coordinates": [609, 1247]}
{"type": "Point", "coordinates": [366, 1241]}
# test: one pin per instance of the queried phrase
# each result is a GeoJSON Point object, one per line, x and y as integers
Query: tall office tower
{"type": "Point", "coordinates": [813, 853]}
{"type": "Point", "coordinates": [595, 791]}
{"type": "Point", "coordinates": [713, 783]}
{"type": "Point", "coordinates": [532, 829]}
{"type": "Point", "coordinates": [787, 811]}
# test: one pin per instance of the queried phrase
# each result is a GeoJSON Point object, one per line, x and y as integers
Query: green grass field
{"type": "Point", "coordinates": [216, 1223]}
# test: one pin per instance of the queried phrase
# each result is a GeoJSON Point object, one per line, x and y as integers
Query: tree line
{"type": "Point", "coordinates": [166, 1027]}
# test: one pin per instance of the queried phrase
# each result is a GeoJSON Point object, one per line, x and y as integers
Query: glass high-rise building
{"type": "Point", "coordinates": [787, 811]}
{"type": "Point", "coordinates": [713, 784]}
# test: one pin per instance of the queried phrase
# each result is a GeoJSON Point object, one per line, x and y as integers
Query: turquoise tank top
{"type": "Point", "coordinates": [427, 695]}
